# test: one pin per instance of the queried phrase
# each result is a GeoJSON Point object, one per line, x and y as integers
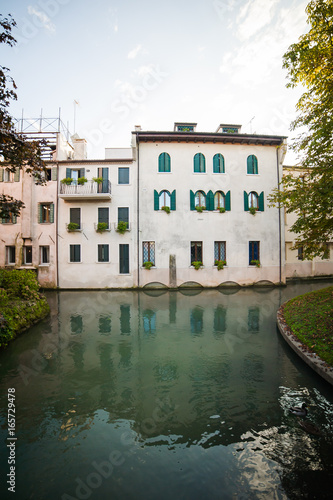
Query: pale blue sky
{"type": "Point", "coordinates": [152, 63]}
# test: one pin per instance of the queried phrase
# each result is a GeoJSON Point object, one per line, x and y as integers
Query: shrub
{"type": "Point", "coordinates": [148, 264]}
{"type": "Point", "coordinates": [222, 210]}
{"type": "Point", "coordinates": [122, 226]}
{"type": "Point", "coordinates": [166, 209]}
{"type": "Point", "coordinates": [102, 226]}
{"type": "Point", "coordinates": [197, 264]}
{"type": "Point", "coordinates": [220, 264]}
{"type": "Point", "coordinates": [67, 180]}
{"type": "Point", "coordinates": [72, 226]}
{"type": "Point", "coordinates": [82, 180]}
{"type": "Point", "coordinates": [21, 284]}
{"type": "Point", "coordinates": [99, 180]}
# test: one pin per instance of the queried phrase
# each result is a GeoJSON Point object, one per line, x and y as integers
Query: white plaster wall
{"type": "Point", "coordinates": [173, 233]}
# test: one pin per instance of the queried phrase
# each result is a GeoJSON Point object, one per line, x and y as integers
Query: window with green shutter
{"type": "Point", "coordinates": [199, 163]}
{"type": "Point", "coordinates": [103, 253]}
{"type": "Point", "coordinates": [103, 215]}
{"type": "Point", "coordinates": [164, 162]}
{"type": "Point", "coordinates": [253, 200]}
{"type": "Point", "coordinates": [252, 164]}
{"type": "Point", "coordinates": [75, 253]}
{"type": "Point", "coordinates": [46, 213]}
{"type": "Point", "coordinates": [218, 164]}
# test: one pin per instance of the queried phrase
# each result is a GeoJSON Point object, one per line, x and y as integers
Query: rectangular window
{"type": "Point", "coordinates": [123, 175]}
{"type": "Point", "coordinates": [148, 251]}
{"type": "Point", "coordinates": [124, 259]}
{"type": "Point", "coordinates": [103, 253]}
{"type": "Point", "coordinates": [44, 254]}
{"type": "Point", "coordinates": [46, 213]}
{"type": "Point", "coordinates": [123, 213]}
{"type": "Point", "coordinates": [10, 219]}
{"type": "Point", "coordinates": [27, 255]}
{"type": "Point", "coordinates": [254, 252]}
{"type": "Point", "coordinates": [10, 255]}
{"type": "Point", "coordinates": [74, 253]}
{"type": "Point", "coordinates": [103, 215]}
{"type": "Point", "coordinates": [75, 216]}
{"type": "Point", "coordinates": [300, 253]}
{"type": "Point", "coordinates": [7, 177]}
{"type": "Point", "coordinates": [219, 251]}
{"type": "Point", "coordinates": [196, 251]}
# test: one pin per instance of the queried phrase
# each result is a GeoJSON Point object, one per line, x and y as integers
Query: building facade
{"type": "Point", "coordinates": [202, 198]}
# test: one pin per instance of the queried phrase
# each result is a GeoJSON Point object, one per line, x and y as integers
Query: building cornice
{"type": "Point", "coordinates": [208, 137]}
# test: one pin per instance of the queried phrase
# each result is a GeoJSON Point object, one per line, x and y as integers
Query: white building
{"type": "Point", "coordinates": [225, 173]}
{"type": "Point", "coordinates": [94, 197]}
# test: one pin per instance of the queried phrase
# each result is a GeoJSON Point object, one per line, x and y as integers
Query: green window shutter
{"type": "Point", "coordinates": [40, 211]}
{"type": "Point", "coordinates": [173, 200]}
{"type": "Point", "coordinates": [228, 201]}
{"type": "Point", "coordinates": [197, 163]}
{"type": "Point", "coordinates": [252, 164]}
{"type": "Point", "coordinates": [167, 163]}
{"type": "Point", "coordinates": [54, 173]}
{"type": "Point", "coordinates": [164, 162]}
{"type": "Point", "coordinates": [246, 202]}
{"type": "Point", "coordinates": [218, 164]}
{"type": "Point", "coordinates": [210, 200]}
{"type": "Point", "coordinates": [192, 200]}
{"type": "Point", "coordinates": [1, 174]}
{"type": "Point", "coordinates": [14, 219]}
{"type": "Point", "coordinates": [161, 162]}
{"type": "Point", "coordinates": [68, 173]}
{"type": "Point", "coordinates": [17, 175]}
{"type": "Point", "coordinates": [156, 200]}
{"type": "Point", "coordinates": [52, 212]}
{"type": "Point", "coordinates": [261, 202]}
{"type": "Point", "coordinates": [82, 172]}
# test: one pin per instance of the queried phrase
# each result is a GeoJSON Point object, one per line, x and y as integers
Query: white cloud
{"type": "Point", "coordinates": [44, 20]}
{"type": "Point", "coordinates": [257, 14]}
{"type": "Point", "coordinates": [133, 53]}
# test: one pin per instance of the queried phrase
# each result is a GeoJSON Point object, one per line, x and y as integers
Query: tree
{"type": "Point", "coordinates": [309, 194]}
{"type": "Point", "coordinates": [16, 152]}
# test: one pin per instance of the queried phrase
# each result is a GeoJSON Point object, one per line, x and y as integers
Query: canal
{"type": "Point", "coordinates": [163, 395]}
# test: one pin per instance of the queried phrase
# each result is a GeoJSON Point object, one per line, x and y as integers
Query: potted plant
{"type": "Point", "coordinates": [220, 264]}
{"type": "Point", "coordinates": [200, 209]}
{"type": "Point", "coordinates": [72, 226]}
{"type": "Point", "coordinates": [148, 264]}
{"type": "Point", "coordinates": [67, 180]}
{"type": "Point", "coordinates": [253, 210]}
{"type": "Point", "coordinates": [197, 264]}
{"type": "Point", "coordinates": [102, 226]}
{"type": "Point", "coordinates": [82, 180]}
{"type": "Point", "coordinates": [99, 180]}
{"type": "Point", "coordinates": [122, 226]}
{"type": "Point", "coordinates": [222, 210]}
{"type": "Point", "coordinates": [255, 263]}
{"type": "Point", "coordinates": [166, 209]}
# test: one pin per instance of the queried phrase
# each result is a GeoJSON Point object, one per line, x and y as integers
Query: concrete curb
{"type": "Point", "coordinates": [314, 361]}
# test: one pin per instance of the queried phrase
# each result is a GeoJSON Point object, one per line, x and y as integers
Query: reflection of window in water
{"type": "Point", "coordinates": [196, 320]}
{"type": "Point", "coordinates": [253, 319]}
{"type": "Point", "coordinates": [76, 324]}
{"type": "Point", "coordinates": [149, 321]}
{"type": "Point", "coordinates": [219, 319]}
{"type": "Point", "coordinates": [125, 319]}
{"type": "Point", "coordinates": [104, 325]}
{"type": "Point", "coordinates": [166, 373]}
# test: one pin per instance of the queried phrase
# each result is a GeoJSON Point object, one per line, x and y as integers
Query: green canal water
{"type": "Point", "coordinates": [163, 395]}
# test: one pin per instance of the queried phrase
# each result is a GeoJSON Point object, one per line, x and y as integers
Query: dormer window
{"type": "Point", "coordinates": [185, 127]}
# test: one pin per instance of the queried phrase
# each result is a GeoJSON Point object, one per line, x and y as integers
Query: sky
{"type": "Point", "coordinates": [109, 65]}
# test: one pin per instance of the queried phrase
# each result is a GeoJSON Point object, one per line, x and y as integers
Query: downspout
{"type": "Point", "coordinates": [279, 211]}
{"type": "Point", "coordinates": [57, 227]}
{"type": "Point", "coordinates": [137, 207]}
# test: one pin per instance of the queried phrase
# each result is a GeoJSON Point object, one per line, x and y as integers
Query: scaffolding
{"type": "Point", "coordinates": [48, 129]}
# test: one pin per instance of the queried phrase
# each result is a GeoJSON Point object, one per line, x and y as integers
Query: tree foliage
{"type": "Point", "coordinates": [309, 192]}
{"type": "Point", "coordinates": [16, 151]}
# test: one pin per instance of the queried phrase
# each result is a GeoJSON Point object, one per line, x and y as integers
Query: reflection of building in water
{"type": "Point", "coordinates": [170, 360]}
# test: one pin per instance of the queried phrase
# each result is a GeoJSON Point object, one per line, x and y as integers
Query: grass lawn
{"type": "Point", "coordinates": [310, 317]}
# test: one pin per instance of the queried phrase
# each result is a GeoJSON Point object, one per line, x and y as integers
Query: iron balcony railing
{"type": "Point", "coordinates": [88, 188]}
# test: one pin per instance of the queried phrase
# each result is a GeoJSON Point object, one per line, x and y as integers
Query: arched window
{"type": "Point", "coordinates": [219, 200]}
{"type": "Point", "coordinates": [199, 163]}
{"type": "Point", "coordinates": [252, 164]}
{"type": "Point", "coordinates": [200, 199]}
{"type": "Point", "coordinates": [253, 200]}
{"type": "Point", "coordinates": [164, 163]}
{"type": "Point", "coordinates": [164, 199]}
{"type": "Point", "coordinates": [218, 164]}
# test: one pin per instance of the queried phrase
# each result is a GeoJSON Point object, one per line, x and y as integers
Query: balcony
{"type": "Point", "coordinates": [90, 190]}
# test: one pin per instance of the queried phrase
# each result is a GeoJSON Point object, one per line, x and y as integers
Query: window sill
{"type": "Point", "coordinates": [44, 265]}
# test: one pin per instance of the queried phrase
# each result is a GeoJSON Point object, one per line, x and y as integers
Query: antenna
{"type": "Point", "coordinates": [75, 104]}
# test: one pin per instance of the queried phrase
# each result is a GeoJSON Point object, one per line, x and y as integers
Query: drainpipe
{"type": "Point", "coordinates": [137, 206]}
{"type": "Point", "coordinates": [57, 227]}
{"type": "Point", "coordinates": [279, 210]}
